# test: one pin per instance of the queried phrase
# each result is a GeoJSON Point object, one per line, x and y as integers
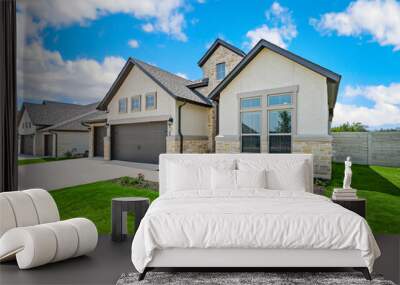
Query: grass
{"type": "Point", "coordinates": [380, 186]}
{"type": "Point", "coordinates": [93, 201]}
{"type": "Point", "coordinates": [41, 160]}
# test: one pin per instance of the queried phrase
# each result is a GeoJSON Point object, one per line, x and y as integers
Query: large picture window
{"type": "Point", "coordinates": [269, 117]}
{"type": "Point", "coordinates": [250, 124]}
{"type": "Point", "coordinates": [280, 131]}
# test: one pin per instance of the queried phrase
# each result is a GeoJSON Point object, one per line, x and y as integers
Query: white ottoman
{"type": "Point", "coordinates": [31, 232]}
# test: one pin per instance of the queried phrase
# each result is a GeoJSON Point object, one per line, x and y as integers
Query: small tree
{"type": "Point", "coordinates": [284, 124]}
{"type": "Point", "coordinates": [353, 127]}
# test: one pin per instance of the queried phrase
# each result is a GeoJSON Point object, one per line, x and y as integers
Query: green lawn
{"type": "Point", "coordinates": [93, 201]}
{"type": "Point", "coordinates": [381, 187]}
{"type": "Point", "coordinates": [41, 160]}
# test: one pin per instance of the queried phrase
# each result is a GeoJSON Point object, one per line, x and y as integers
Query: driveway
{"type": "Point", "coordinates": [65, 173]}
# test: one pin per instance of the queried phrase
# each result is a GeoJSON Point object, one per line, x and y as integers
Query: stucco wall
{"type": "Point", "coordinates": [26, 131]}
{"type": "Point", "coordinates": [138, 83]}
{"type": "Point", "coordinates": [194, 120]}
{"type": "Point", "coordinates": [75, 142]}
{"type": "Point", "coordinates": [268, 71]}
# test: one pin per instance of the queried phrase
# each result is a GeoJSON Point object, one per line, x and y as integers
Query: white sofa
{"type": "Point", "coordinates": [31, 231]}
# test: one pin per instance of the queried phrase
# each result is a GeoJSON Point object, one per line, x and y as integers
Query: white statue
{"type": "Point", "coordinates": [347, 174]}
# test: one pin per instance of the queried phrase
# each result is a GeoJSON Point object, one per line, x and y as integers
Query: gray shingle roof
{"type": "Point", "coordinates": [99, 116]}
{"type": "Point", "coordinates": [174, 85]}
{"type": "Point", "coordinates": [76, 123]}
{"type": "Point", "coordinates": [50, 113]}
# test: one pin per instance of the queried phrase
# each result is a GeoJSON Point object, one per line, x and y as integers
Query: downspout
{"type": "Point", "coordinates": [180, 127]}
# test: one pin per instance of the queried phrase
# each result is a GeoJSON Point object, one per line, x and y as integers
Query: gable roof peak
{"type": "Point", "coordinates": [214, 46]}
{"type": "Point", "coordinates": [330, 75]}
{"type": "Point", "coordinates": [173, 84]}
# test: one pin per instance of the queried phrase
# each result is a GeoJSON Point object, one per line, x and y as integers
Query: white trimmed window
{"type": "Point", "coordinates": [123, 105]}
{"type": "Point", "coordinates": [250, 124]}
{"type": "Point", "coordinates": [280, 123]}
{"type": "Point", "coordinates": [136, 103]}
{"type": "Point", "coordinates": [151, 101]}
{"type": "Point", "coordinates": [220, 70]}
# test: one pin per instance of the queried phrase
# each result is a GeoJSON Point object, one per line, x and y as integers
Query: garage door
{"type": "Point", "coordinates": [142, 142]}
{"type": "Point", "coordinates": [99, 134]}
{"type": "Point", "coordinates": [27, 144]}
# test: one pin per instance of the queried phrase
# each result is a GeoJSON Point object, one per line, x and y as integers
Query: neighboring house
{"type": "Point", "coordinates": [53, 128]}
{"type": "Point", "coordinates": [268, 100]}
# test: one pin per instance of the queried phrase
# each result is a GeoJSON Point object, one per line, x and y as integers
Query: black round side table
{"type": "Point", "coordinates": [119, 209]}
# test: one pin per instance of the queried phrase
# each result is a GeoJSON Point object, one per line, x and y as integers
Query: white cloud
{"type": "Point", "coordinates": [378, 18]}
{"type": "Point", "coordinates": [44, 74]}
{"type": "Point", "coordinates": [133, 43]}
{"type": "Point", "coordinates": [148, 28]}
{"type": "Point", "coordinates": [280, 30]}
{"type": "Point", "coordinates": [181, 75]}
{"type": "Point", "coordinates": [385, 111]}
{"type": "Point", "coordinates": [165, 16]}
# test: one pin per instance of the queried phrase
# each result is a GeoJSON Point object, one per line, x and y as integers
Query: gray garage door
{"type": "Point", "coordinates": [27, 144]}
{"type": "Point", "coordinates": [142, 142]}
{"type": "Point", "coordinates": [99, 134]}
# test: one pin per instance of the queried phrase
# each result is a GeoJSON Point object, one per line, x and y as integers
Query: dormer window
{"type": "Point", "coordinates": [220, 70]}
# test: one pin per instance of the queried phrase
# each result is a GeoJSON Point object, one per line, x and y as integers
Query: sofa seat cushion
{"type": "Point", "coordinates": [37, 245]}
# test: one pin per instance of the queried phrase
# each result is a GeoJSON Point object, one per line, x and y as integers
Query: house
{"type": "Point", "coordinates": [53, 128]}
{"type": "Point", "coordinates": [268, 100]}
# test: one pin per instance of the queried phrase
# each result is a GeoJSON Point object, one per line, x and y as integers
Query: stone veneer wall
{"type": "Point", "coordinates": [321, 148]}
{"type": "Point", "coordinates": [190, 145]}
{"type": "Point", "coordinates": [221, 54]}
{"type": "Point", "coordinates": [227, 145]}
{"type": "Point", "coordinates": [322, 154]}
{"type": "Point", "coordinates": [212, 128]}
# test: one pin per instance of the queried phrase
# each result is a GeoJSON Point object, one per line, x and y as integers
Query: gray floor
{"type": "Point", "coordinates": [110, 260]}
{"type": "Point", "coordinates": [65, 173]}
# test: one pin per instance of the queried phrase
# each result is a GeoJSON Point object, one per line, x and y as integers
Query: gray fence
{"type": "Point", "coordinates": [373, 148]}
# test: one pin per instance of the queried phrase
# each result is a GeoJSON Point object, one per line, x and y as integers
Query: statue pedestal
{"type": "Point", "coordinates": [344, 194]}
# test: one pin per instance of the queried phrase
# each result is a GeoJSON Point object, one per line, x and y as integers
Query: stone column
{"type": "Point", "coordinates": [321, 148]}
{"type": "Point", "coordinates": [107, 144]}
{"type": "Point", "coordinates": [212, 128]}
{"type": "Point", "coordinates": [91, 141]}
{"type": "Point", "coordinates": [172, 144]}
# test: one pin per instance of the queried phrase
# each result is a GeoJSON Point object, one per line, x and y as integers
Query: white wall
{"type": "Point", "coordinates": [67, 141]}
{"type": "Point", "coordinates": [138, 83]}
{"type": "Point", "coordinates": [269, 70]}
{"type": "Point", "coordinates": [26, 131]}
{"type": "Point", "coordinates": [194, 120]}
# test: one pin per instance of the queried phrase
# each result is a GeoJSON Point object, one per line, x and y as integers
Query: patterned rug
{"type": "Point", "coordinates": [269, 278]}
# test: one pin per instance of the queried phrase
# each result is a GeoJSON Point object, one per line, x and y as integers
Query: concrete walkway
{"type": "Point", "coordinates": [65, 173]}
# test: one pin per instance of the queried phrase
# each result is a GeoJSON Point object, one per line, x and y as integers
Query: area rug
{"type": "Point", "coordinates": [269, 278]}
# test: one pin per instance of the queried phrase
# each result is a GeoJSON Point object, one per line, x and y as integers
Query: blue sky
{"type": "Point", "coordinates": [73, 52]}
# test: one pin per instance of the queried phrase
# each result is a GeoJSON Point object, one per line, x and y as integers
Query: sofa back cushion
{"type": "Point", "coordinates": [201, 165]}
{"type": "Point", "coordinates": [26, 208]}
{"type": "Point", "coordinates": [281, 174]}
{"type": "Point", "coordinates": [192, 174]}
